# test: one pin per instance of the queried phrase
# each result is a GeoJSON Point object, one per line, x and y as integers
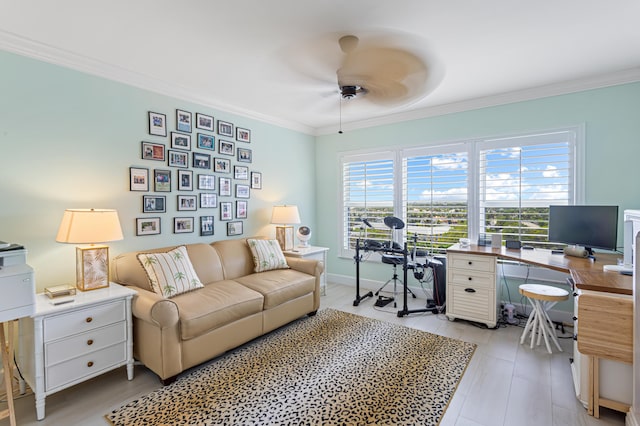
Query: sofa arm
{"type": "Point", "coordinates": [308, 266]}
{"type": "Point", "coordinates": [155, 309]}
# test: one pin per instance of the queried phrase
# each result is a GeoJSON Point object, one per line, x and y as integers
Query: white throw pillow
{"type": "Point", "coordinates": [170, 273]}
{"type": "Point", "coordinates": [267, 255]}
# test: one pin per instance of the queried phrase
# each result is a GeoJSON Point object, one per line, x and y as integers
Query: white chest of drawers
{"type": "Point", "coordinates": [63, 345]}
{"type": "Point", "coordinates": [471, 288]}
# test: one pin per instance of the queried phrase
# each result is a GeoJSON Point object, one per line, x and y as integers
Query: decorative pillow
{"type": "Point", "coordinates": [170, 273]}
{"type": "Point", "coordinates": [267, 255]}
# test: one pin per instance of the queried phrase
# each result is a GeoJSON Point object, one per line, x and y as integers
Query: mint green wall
{"type": "Point", "coordinates": [68, 139]}
{"type": "Point", "coordinates": [612, 126]}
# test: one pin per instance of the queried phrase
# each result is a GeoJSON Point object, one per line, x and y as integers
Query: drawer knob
{"type": "Point", "coordinates": [89, 319]}
{"type": "Point", "coordinates": [90, 342]}
{"type": "Point", "coordinates": [90, 364]}
{"type": "Point", "coordinates": [470, 290]}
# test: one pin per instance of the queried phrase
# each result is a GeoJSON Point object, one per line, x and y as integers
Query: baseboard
{"type": "Point", "coordinates": [632, 418]}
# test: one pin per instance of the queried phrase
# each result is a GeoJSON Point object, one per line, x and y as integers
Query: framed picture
{"type": "Point", "coordinates": [243, 135]}
{"type": "Point", "coordinates": [152, 151]}
{"type": "Point", "coordinates": [241, 209]}
{"type": "Point", "coordinates": [186, 202]}
{"type": "Point", "coordinates": [225, 147]}
{"type": "Point", "coordinates": [206, 225]}
{"type": "Point", "coordinates": [225, 187]}
{"type": "Point", "coordinates": [185, 180]}
{"type": "Point", "coordinates": [154, 204]}
{"type": "Point", "coordinates": [147, 226]}
{"type": "Point", "coordinates": [244, 155]}
{"type": "Point", "coordinates": [225, 128]}
{"type": "Point", "coordinates": [157, 124]}
{"type": "Point", "coordinates": [241, 172]}
{"type": "Point", "coordinates": [206, 142]}
{"type": "Point", "coordinates": [234, 228]}
{"type": "Point", "coordinates": [242, 191]}
{"type": "Point", "coordinates": [204, 122]}
{"type": "Point", "coordinates": [201, 161]}
{"type": "Point", "coordinates": [162, 180]}
{"type": "Point", "coordinates": [183, 121]}
{"type": "Point", "coordinates": [206, 182]}
{"type": "Point", "coordinates": [256, 180]}
{"type": "Point", "coordinates": [226, 210]}
{"type": "Point", "coordinates": [178, 158]}
{"type": "Point", "coordinates": [139, 179]}
{"type": "Point", "coordinates": [208, 200]}
{"type": "Point", "coordinates": [221, 165]}
{"type": "Point", "coordinates": [180, 141]}
{"type": "Point", "coordinates": [182, 225]}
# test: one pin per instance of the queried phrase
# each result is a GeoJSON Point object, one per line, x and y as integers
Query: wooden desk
{"type": "Point", "coordinates": [605, 310]}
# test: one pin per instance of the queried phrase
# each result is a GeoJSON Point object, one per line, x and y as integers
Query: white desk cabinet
{"type": "Point", "coordinates": [313, 253]}
{"type": "Point", "coordinates": [471, 288]}
{"type": "Point", "coordinates": [64, 345]}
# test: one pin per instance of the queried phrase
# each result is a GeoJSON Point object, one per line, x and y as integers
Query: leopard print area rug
{"type": "Point", "coordinates": [335, 368]}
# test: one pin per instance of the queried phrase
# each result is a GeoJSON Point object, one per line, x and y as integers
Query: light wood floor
{"type": "Point", "coordinates": [505, 383]}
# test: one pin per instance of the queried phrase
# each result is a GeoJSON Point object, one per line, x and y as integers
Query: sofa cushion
{"type": "Point", "coordinates": [267, 255]}
{"type": "Point", "coordinates": [235, 257]}
{"type": "Point", "coordinates": [170, 273]}
{"type": "Point", "coordinates": [214, 306]}
{"type": "Point", "coordinates": [279, 286]}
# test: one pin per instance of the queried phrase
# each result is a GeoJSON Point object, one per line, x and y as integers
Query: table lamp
{"type": "Point", "coordinates": [90, 226]}
{"type": "Point", "coordinates": [285, 215]}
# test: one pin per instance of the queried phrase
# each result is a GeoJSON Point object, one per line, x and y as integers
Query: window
{"type": "Point", "coordinates": [493, 185]}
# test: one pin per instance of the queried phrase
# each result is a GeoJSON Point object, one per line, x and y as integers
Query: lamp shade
{"type": "Point", "coordinates": [285, 215]}
{"type": "Point", "coordinates": [89, 226]}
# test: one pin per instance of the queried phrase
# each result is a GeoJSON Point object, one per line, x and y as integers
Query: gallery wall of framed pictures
{"type": "Point", "coordinates": [194, 177]}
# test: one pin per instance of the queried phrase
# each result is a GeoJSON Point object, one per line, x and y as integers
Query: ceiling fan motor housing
{"type": "Point", "coordinates": [348, 92]}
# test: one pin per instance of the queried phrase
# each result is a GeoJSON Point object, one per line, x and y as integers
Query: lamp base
{"type": "Point", "coordinates": [284, 235]}
{"type": "Point", "coordinates": [92, 267]}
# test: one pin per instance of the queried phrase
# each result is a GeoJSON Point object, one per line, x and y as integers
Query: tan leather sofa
{"type": "Point", "coordinates": [235, 305]}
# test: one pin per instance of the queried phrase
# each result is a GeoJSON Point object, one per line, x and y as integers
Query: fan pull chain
{"type": "Point", "coordinates": [340, 108]}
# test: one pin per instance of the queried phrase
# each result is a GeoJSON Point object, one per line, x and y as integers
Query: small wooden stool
{"type": "Point", "coordinates": [542, 298]}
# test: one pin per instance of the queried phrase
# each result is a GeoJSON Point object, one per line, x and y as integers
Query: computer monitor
{"type": "Point", "coordinates": [587, 226]}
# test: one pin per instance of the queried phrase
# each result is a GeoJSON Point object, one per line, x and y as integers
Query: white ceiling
{"type": "Point", "coordinates": [276, 60]}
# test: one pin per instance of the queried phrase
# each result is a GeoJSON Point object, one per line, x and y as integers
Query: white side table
{"type": "Point", "coordinates": [63, 345]}
{"type": "Point", "coordinates": [313, 253]}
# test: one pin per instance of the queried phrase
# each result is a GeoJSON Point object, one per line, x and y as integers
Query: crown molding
{"type": "Point", "coordinates": [36, 50]}
{"type": "Point", "coordinates": [572, 86]}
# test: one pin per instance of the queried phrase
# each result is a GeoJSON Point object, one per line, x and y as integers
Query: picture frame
{"type": "Point", "coordinates": [181, 141]}
{"type": "Point", "coordinates": [206, 226]}
{"type": "Point", "coordinates": [162, 180]}
{"type": "Point", "coordinates": [221, 165]}
{"type": "Point", "coordinates": [234, 228]}
{"type": "Point", "coordinates": [154, 204]}
{"type": "Point", "coordinates": [243, 135]}
{"type": "Point", "coordinates": [152, 151]}
{"type": "Point", "coordinates": [241, 209]}
{"type": "Point", "coordinates": [204, 122]}
{"type": "Point", "coordinates": [157, 124]}
{"type": "Point", "coordinates": [208, 200]}
{"type": "Point", "coordinates": [182, 225]}
{"type": "Point", "coordinates": [242, 191]}
{"type": "Point", "coordinates": [224, 187]}
{"type": "Point", "coordinates": [226, 147]}
{"type": "Point", "coordinates": [201, 161]}
{"type": "Point", "coordinates": [187, 203]}
{"type": "Point", "coordinates": [183, 121]}
{"type": "Point", "coordinates": [147, 226]}
{"type": "Point", "coordinates": [177, 158]}
{"type": "Point", "coordinates": [226, 210]}
{"type": "Point", "coordinates": [206, 142]}
{"type": "Point", "coordinates": [185, 180]}
{"type": "Point", "coordinates": [244, 155]}
{"type": "Point", "coordinates": [225, 128]}
{"type": "Point", "coordinates": [241, 172]}
{"type": "Point", "coordinates": [256, 180]}
{"type": "Point", "coordinates": [138, 179]}
{"type": "Point", "coordinates": [206, 182]}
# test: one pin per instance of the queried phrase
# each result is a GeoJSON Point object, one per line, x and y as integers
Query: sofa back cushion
{"type": "Point", "coordinates": [236, 257]}
{"type": "Point", "coordinates": [127, 270]}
